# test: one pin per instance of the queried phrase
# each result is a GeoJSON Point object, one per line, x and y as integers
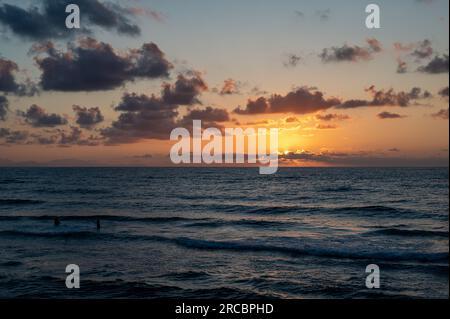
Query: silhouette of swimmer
{"type": "Point", "coordinates": [56, 221]}
{"type": "Point", "coordinates": [98, 223]}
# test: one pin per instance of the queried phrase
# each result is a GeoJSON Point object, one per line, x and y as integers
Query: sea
{"type": "Point", "coordinates": [302, 233]}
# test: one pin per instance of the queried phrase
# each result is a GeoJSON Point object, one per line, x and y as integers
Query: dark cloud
{"type": "Point", "coordinates": [185, 90]}
{"type": "Point", "coordinates": [423, 50]}
{"type": "Point", "coordinates": [230, 87]}
{"type": "Point", "coordinates": [208, 114]}
{"type": "Point", "coordinates": [36, 116]}
{"type": "Point", "coordinates": [143, 117]}
{"type": "Point", "coordinates": [48, 20]}
{"type": "Point", "coordinates": [389, 115]}
{"type": "Point", "coordinates": [387, 98]}
{"type": "Point", "coordinates": [90, 65]}
{"type": "Point", "coordinates": [151, 117]}
{"type": "Point", "coordinates": [439, 64]}
{"type": "Point", "coordinates": [444, 92]}
{"type": "Point", "coordinates": [75, 137]}
{"type": "Point", "coordinates": [88, 117]}
{"type": "Point", "coordinates": [348, 53]}
{"type": "Point", "coordinates": [332, 117]}
{"type": "Point", "coordinates": [8, 83]}
{"type": "Point", "coordinates": [402, 66]}
{"type": "Point", "coordinates": [4, 107]}
{"type": "Point", "coordinates": [7, 80]}
{"type": "Point", "coordinates": [13, 137]}
{"type": "Point", "coordinates": [292, 60]}
{"type": "Point", "coordinates": [303, 100]}
{"type": "Point", "coordinates": [441, 114]}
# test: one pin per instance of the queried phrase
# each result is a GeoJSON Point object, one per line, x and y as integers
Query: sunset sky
{"type": "Point", "coordinates": [111, 92]}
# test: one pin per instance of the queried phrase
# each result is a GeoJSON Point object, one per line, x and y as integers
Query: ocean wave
{"type": "Point", "coordinates": [101, 217]}
{"type": "Point", "coordinates": [339, 189]}
{"type": "Point", "coordinates": [61, 234]}
{"type": "Point", "coordinates": [312, 251]}
{"type": "Point", "coordinates": [16, 202]}
{"type": "Point", "coordinates": [78, 191]}
{"type": "Point", "coordinates": [243, 222]}
{"type": "Point", "coordinates": [408, 232]}
{"type": "Point", "coordinates": [299, 248]}
{"type": "Point", "coordinates": [11, 181]}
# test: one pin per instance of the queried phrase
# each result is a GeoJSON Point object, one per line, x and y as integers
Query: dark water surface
{"type": "Point", "coordinates": [224, 233]}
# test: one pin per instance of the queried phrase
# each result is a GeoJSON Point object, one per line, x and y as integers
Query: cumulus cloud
{"type": "Point", "coordinates": [347, 53]}
{"type": "Point", "coordinates": [7, 80]}
{"type": "Point", "coordinates": [423, 50]}
{"type": "Point", "coordinates": [87, 117]}
{"type": "Point", "coordinates": [13, 136]}
{"type": "Point", "coordinates": [36, 116]}
{"type": "Point", "coordinates": [387, 98]}
{"type": "Point", "coordinates": [8, 83]}
{"type": "Point", "coordinates": [185, 90]}
{"type": "Point", "coordinates": [230, 87]}
{"type": "Point", "coordinates": [439, 64]}
{"type": "Point", "coordinates": [4, 108]}
{"type": "Point", "coordinates": [48, 20]}
{"type": "Point", "coordinates": [389, 115]}
{"type": "Point", "coordinates": [89, 65]}
{"type": "Point", "coordinates": [302, 100]}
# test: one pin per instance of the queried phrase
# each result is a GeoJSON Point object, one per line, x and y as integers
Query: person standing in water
{"type": "Point", "coordinates": [56, 221]}
{"type": "Point", "coordinates": [98, 223]}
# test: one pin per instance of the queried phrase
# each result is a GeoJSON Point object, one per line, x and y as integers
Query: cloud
{"type": "Point", "coordinates": [185, 90]}
{"type": "Point", "coordinates": [423, 50]}
{"type": "Point", "coordinates": [323, 14]}
{"type": "Point", "coordinates": [389, 115]}
{"type": "Point", "coordinates": [348, 53]}
{"type": "Point", "coordinates": [88, 117]}
{"type": "Point", "coordinates": [230, 87]}
{"type": "Point", "coordinates": [441, 114]}
{"type": "Point", "coordinates": [332, 117]}
{"type": "Point", "coordinates": [326, 126]}
{"type": "Point", "coordinates": [443, 92]}
{"type": "Point", "coordinates": [48, 20]}
{"type": "Point", "coordinates": [387, 98]}
{"type": "Point", "coordinates": [208, 114]}
{"type": "Point", "coordinates": [13, 137]}
{"type": "Point", "coordinates": [292, 60]}
{"type": "Point", "coordinates": [90, 65]}
{"type": "Point", "coordinates": [302, 100]}
{"type": "Point", "coordinates": [75, 137]}
{"type": "Point", "coordinates": [439, 64]}
{"type": "Point", "coordinates": [36, 116]}
{"type": "Point", "coordinates": [7, 80]}
{"type": "Point", "coordinates": [8, 83]}
{"type": "Point", "coordinates": [361, 159]}
{"type": "Point", "coordinates": [402, 66]}
{"type": "Point", "coordinates": [4, 107]}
